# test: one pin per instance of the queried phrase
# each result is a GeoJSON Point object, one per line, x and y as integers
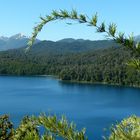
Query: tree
{"type": "Point", "coordinates": [30, 129]}
{"type": "Point", "coordinates": [127, 129]}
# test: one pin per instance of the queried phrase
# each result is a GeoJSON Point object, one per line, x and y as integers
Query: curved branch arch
{"type": "Point", "coordinates": [110, 30]}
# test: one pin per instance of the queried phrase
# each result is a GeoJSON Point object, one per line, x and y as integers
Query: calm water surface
{"type": "Point", "coordinates": [92, 106]}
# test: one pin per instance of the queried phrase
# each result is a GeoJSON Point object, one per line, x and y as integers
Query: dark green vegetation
{"type": "Point", "coordinates": [54, 128]}
{"type": "Point", "coordinates": [127, 129]}
{"type": "Point", "coordinates": [30, 129]}
{"type": "Point", "coordinates": [77, 60]}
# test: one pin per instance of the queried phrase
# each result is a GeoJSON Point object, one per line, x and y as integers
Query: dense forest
{"type": "Point", "coordinates": [73, 61]}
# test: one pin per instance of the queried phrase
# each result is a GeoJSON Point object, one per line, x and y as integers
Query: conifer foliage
{"type": "Point", "coordinates": [30, 129]}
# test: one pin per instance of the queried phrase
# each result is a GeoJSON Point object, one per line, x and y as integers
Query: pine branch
{"type": "Point", "coordinates": [111, 30]}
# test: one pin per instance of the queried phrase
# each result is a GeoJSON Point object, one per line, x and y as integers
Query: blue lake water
{"type": "Point", "coordinates": [94, 107]}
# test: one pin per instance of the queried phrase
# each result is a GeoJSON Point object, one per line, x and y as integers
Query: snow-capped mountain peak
{"type": "Point", "coordinates": [16, 41]}
{"type": "Point", "coordinates": [4, 38]}
{"type": "Point", "coordinates": [18, 36]}
{"type": "Point", "coordinates": [14, 37]}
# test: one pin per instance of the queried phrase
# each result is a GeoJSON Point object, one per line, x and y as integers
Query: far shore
{"type": "Point", "coordinates": [73, 81]}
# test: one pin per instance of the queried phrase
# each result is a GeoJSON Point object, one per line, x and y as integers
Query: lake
{"type": "Point", "coordinates": [94, 107]}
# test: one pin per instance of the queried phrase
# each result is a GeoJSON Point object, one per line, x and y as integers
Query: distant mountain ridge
{"type": "Point", "coordinates": [16, 41]}
{"type": "Point", "coordinates": [70, 40]}
{"type": "Point", "coordinates": [51, 48]}
{"type": "Point", "coordinates": [69, 45]}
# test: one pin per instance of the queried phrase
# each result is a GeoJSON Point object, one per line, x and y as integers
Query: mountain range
{"type": "Point", "coordinates": [69, 45]}
{"type": "Point", "coordinates": [76, 46]}
{"type": "Point", "coordinates": [16, 41]}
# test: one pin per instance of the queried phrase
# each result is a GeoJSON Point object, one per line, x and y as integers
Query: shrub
{"type": "Point", "coordinates": [127, 129]}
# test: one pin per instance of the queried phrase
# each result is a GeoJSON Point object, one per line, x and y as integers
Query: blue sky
{"type": "Point", "coordinates": [22, 15]}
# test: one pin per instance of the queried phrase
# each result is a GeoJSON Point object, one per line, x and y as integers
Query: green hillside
{"type": "Point", "coordinates": [84, 61]}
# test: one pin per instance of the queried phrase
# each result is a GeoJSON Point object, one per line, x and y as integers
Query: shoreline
{"type": "Point", "coordinates": [74, 81]}
{"type": "Point", "coordinates": [99, 83]}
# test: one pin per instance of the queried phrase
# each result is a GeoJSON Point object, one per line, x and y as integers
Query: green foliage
{"type": "Point", "coordinates": [64, 13]}
{"type": "Point", "coordinates": [120, 38]}
{"type": "Point", "coordinates": [101, 28]}
{"type": "Point", "coordinates": [134, 63]}
{"type": "Point", "coordinates": [29, 129]}
{"type": "Point", "coordinates": [6, 128]}
{"type": "Point", "coordinates": [138, 46]}
{"type": "Point", "coordinates": [74, 14]}
{"type": "Point", "coordinates": [65, 61]}
{"type": "Point", "coordinates": [94, 20]}
{"type": "Point", "coordinates": [128, 129]}
{"type": "Point", "coordinates": [82, 18]}
{"type": "Point", "coordinates": [61, 128]}
{"type": "Point", "coordinates": [111, 31]}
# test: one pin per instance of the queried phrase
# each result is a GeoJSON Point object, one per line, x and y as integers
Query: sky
{"type": "Point", "coordinates": [20, 16]}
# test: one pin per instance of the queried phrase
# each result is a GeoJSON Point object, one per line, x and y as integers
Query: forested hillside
{"type": "Point", "coordinates": [97, 61]}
